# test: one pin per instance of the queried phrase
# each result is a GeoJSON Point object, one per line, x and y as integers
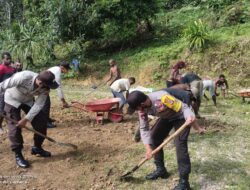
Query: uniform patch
{"type": "Point", "coordinates": [171, 102]}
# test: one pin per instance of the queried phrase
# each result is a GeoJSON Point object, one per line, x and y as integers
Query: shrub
{"type": "Point", "coordinates": [235, 15]}
{"type": "Point", "coordinates": [173, 4]}
{"type": "Point", "coordinates": [197, 35]}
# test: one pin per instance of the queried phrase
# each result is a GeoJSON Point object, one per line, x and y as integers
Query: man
{"type": "Point", "coordinates": [119, 87]}
{"type": "Point", "coordinates": [175, 73]}
{"type": "Point", "coordinates": [210, 86]}
{"type": "Point", "coordinates": [196, 87]}
{"type": "Point", "coordinates": [64, 67]}
{"type": "Point", "coordinates": [223, 84]}
{"type": "Point", "coordinates": [183, 93]}
{"type": "Point", "coordinates": [172, 113]}
{"type": "Point", "coordinates": [6, 71]}
{"type": "Point", "coordinates": [114, 72]}
{"type": "Point", "coordinates": [76, 65]}
{"type": "Point", "coordinates": [20, 92]}
{"type": "Point", "coordinates": [18, 66]}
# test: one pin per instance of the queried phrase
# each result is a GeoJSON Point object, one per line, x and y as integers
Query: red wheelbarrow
{"type": "Point", "coordinates": [110, 105]}
{"type": "Point", "coordinates": [244, 94]}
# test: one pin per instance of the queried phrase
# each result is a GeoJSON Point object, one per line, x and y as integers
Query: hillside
{"type": "Point", "coordinates": [227, 51]}
{"type": "Point", "coordinates": [212, 36]}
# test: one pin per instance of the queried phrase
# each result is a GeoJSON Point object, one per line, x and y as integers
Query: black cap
{"type": "Point", "coordinates": [65, 64]}
{"type": "Point", "coordinates": [135, 99]}
{"type": "Point", "coordinates": [48, 79]}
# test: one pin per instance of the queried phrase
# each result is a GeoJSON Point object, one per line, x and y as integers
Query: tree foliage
{"type": "Point", "coordinates": [33, 27]}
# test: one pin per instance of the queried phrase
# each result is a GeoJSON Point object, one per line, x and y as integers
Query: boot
{"type": "Point", "coordinates": [159, 172]}
{"type": "Point", "coordinates": [50, 125]}
{"type": "Point", "coordinates": [51, 120]}
{"type": "Point", "coordinates": [183, 184]}
{"type": "Point", "coordinates": [43, 153]}
{"type": "Point", "coordinates": [20, 161]}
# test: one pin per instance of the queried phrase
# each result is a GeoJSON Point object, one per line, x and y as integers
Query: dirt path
{"type": "Point", "coordinates": [90, 167]}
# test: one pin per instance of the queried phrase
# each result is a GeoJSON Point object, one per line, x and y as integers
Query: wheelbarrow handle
{"type": "Point", "coordinates": [81, 106]}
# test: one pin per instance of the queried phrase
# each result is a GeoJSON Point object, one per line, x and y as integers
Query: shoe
{"type": "Point", "coordinates": [20, 161]}
{"type": "Point", "coordinates": [43, 153]}
{"type": "Point", "coordinates": [137, 136]}
{"type": "Point", "coordinates": [51, 120]}
{"type": "Point", "coordinates": [158, 173]}
{"type": "Point", "coordinates": [183, 184]}
{"type": "Point", "coordinates": [50, 125]}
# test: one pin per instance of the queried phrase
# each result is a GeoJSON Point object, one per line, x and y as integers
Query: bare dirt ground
{"type": "Point", "coordinates": [104, 153]}
{"type": "Point", "coordinates": [100, 147]}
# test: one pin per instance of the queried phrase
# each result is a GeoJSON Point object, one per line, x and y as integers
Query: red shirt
{"type": "Point", "coordinates": [6, 72]}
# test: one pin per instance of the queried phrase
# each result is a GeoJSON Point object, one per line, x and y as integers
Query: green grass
{"type": "Point", "coordinates": [219, 158]}
{"type": "Point", "coordinates": [228, 46]}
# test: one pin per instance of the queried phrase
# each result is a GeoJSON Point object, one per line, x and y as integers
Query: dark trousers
{"type": "Point", "coordinates": [46, 107]}
{"type": "Point", "coordinates": [160, 132]}
{"type": "Point", "coordinates": [2, 103]}
{"type": "Point", "coordinates": [39, 123]}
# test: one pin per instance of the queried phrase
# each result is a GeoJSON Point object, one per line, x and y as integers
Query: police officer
{"type": "Point", "coordinates": [173, 113]}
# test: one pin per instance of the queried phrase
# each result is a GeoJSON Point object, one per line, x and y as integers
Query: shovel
{"type": "Point", "coordinates": [171, 137]}
{"type": "Point", "coordinates": [40, 134]}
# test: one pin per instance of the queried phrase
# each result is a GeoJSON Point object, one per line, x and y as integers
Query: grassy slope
{"type": "Point", "coordinates": [220, 158]}
{"type": "Point", "coordinates": [228, 53]}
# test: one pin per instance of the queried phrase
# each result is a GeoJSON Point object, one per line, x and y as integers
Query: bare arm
{"type": "Point", "coordinates": [110, 75]}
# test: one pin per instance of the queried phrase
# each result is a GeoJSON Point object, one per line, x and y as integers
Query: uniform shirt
{"type": "Point", "coordinates": [120, 85]}
{"type": "Point", "coordinates": [208, 85]}
{"type": "Point", "coordinates": [169, 114]}
{"type": "Point", "coordinates": [5, 72]}
{"type": "Point", "coordinates": [182, 95]}
{"type": "Point", "coordinates": [57, 72]}
{"type": "Point", "coordinates": [188, 78]}
{"type": "Point", "coordinates": [20, 89]}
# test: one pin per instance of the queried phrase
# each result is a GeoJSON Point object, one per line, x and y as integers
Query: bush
{"type": "Point", "coordinates": [197, 35]}
{"type": "Point", "coordinates": [173, 4]}
{"type": "Point", "coordinates": [71, 48]}
{"type": "Point", "coordinates": [218, 5]}
{"type": "Point", "coordinates": [235, 15]}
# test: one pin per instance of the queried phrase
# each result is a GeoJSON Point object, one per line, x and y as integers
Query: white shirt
{"type": "Point", "coordinates": [57, 72]}
{"type": "Point", "coordinates": [120, 85]}
{"type": "Point", "coordinates": [208, 85]}
{"type": "Point", "coordinates": [19, 89]}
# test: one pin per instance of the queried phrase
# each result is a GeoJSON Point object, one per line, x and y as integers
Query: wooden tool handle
{"type": "Point", "coordinates": [166, 141]}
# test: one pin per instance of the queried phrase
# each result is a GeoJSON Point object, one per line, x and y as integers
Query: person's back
{"type": "Point", "coordinates": [190, 77]}
{"type": "Point", "coordinates": [115, 71]}
{"type": "Point", "coordinates": [175, 76]}
{"type": "Point", "coordinates": [120, 85]}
